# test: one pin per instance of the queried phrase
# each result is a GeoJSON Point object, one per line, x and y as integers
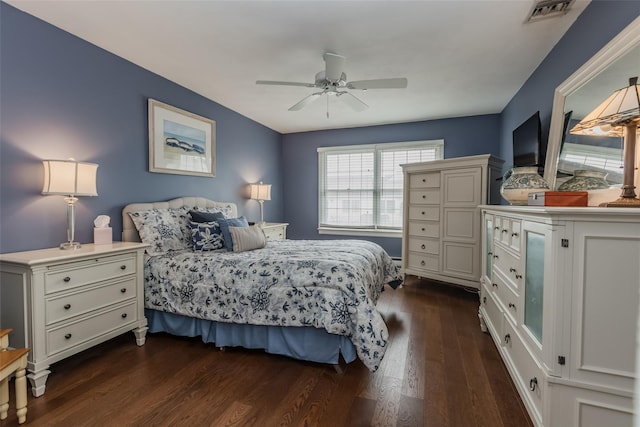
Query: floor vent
{"type": "Point", "coordinates": [549, 8]}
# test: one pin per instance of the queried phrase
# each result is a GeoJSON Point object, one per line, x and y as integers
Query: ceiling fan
{"type": "Point", "coordinates": [333, 78]}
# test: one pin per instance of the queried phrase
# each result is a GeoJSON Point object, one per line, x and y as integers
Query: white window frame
{"type": "Point", "coordinates": [376, 230]}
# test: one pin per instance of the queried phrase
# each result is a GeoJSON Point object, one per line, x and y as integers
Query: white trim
{"type": "Point", "coordinates": [384, 146]}
{"type": "Point", "coordinates": [360, 232]}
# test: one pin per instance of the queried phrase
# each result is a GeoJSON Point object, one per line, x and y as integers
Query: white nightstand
{"type": "Point", "coordinates": [60, 302]}
{"type": "Point", "coordinates": [275, 230]}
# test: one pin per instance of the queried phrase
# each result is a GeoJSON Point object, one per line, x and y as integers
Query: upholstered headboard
{"type": "Point", "coordinates": [129, 231]}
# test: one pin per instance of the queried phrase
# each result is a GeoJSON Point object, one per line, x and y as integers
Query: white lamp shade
{"type": "Point", "coordinates": [260, 191]}
{"type": "Point", "coordinates": [610, 116]}
{"type": "Point", "coordinates": [69, 178]}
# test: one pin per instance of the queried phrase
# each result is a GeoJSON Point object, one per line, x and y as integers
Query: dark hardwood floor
{"type": "Point", "coordinates": [439, 370]}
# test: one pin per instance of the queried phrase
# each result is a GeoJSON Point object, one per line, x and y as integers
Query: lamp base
{"type": "Point", "coordinates": [623, 202]}
{"type": "Point", "coordinates": [70, 245]}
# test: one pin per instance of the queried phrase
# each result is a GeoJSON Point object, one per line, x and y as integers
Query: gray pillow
{"type": "Point", "coordinates": [247, 238]}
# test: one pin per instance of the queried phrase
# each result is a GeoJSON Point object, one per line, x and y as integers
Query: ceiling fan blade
{"type": "Point", "coordinates": [352, 101]}
{"type": "Point", "coordinates": [399, 83]}
{"type": "Point", "coordinates": [271, 82]}
{"type": "Point", "coordinates": [309, 99]}
{"type": "Point", "coordinates": [334, 66]}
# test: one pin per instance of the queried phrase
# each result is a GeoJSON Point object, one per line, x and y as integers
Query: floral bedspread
{"type": "Point", "coordinates": [330, 284]}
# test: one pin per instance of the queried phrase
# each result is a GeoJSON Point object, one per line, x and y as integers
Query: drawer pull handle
{"type": "Point", "coordinates": [67, 306]}
{"type": "Point", "coordinates": [422, 228]}
{"type": "Point", "coordinates": [512, 305]}
{"type": "Point", "coordinates": [495, 257]}
{"type": "Point", "coordinates": [533, 384]}
{"type": "Point", "coordinates": [511, 269]}
{"type": "Point", "coordinates": [124, 315]}
{"type": "Point", "coordinates": [422, 212]}
{"type": "Point", "coordinates": [495, 285]}
{"type": "Point", "coordinates": [496, 227]}
{"type": "Point", "coordinates": [518, 276]}
{"type": "Point", "coordinates": [123, 267]}
{"type": "Point", "coordinates": [505, 230]}
{"type": "Point", "coordinates": [489, 253]}
{"type": "Point", "coordinates": [422, 262]}
{"type": "Point", "coordinates": [67, 279]}
{"type": "Point", "coordinates": [68, 336]}
{"type": "Point", "coordinates": [424, 180]}
{"type": "Point", "coordinates": [424, 196]}
{"type": "Point", "coordinates": [507, 338]}
{"type": "Point", "coordinates": [423, 246]}
{"type": "Point", "coordinates": [123, 290]}
{"type": "Point", "coordinates": [484, 300]}
{"type": "Point", "coordinates": [514, 234]}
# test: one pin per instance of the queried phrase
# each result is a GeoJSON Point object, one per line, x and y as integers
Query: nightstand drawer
{"type": "Point", "coordinates": [274, 233]}
{"type": "Point", "coordinates": [424, 213]}
{"type": "Point", "coordinates": [61, 308]}
{"type": "Point", "coordinates": [424, 197]}
{"type": "Point", "coordinates": [75, 333]}
{"type": "Point", "coordinates": [68, 276]}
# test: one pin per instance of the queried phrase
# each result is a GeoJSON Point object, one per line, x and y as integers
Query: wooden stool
{"type": "Point", "coordinates": [12, 361]}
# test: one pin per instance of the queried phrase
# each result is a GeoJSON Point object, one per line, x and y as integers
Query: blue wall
{"type": "Point", "coordinates": [63, 97]}
{"type": "Point", "coordinates": [601, 21]}
{"type": "Point", "coordinates": [462, 137]}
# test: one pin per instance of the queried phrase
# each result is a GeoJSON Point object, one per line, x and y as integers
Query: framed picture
{"type": "Point", "coordinates": [180, 142]}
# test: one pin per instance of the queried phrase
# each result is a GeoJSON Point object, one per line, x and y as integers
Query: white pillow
{"type": "Point", "coordinates": [247, 238]}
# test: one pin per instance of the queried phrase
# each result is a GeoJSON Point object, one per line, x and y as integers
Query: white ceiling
{"type": "Point", "coordinates": [461, 57]}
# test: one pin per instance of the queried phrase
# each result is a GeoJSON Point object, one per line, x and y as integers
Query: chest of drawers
{"type": "Point", "coordinates": [441, 227]}
{"type": "Point", "coordinates": [61, 302]}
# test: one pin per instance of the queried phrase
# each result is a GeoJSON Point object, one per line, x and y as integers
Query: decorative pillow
{"type": "Point", "coordinates": [226, 211]}
{"type": "Point", "coordinates": [206, 236]}
{"type": "Point", "coordinates": [163, 229]}
{"type": "Point", "coordinates": [247, 238]}
{"type": "Point", "coordinates": [225, 223]}
{"type": "Point", "coordinates": [202, 216]}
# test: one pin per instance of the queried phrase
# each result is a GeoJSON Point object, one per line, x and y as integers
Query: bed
{"type": "Point", "coordinates": [310, 300]}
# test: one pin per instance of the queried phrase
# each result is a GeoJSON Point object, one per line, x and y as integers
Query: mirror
{"type": "Point", "coordinates": [577, 96]}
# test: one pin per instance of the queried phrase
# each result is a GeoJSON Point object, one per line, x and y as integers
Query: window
{"type": "Point", "coordinates": [580, 156]}
{"type": "Point", "coordinates": [361, 186]}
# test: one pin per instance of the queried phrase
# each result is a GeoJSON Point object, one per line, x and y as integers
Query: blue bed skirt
{"type": "Point", "coordinates": [312, 344]}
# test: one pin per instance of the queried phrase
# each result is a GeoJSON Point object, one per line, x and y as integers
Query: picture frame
{"type": "Point", "coordinates": [180, 142]}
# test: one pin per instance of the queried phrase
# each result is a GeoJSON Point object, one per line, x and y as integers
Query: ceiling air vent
{"type": "Point", "coordinates": [548, 8]}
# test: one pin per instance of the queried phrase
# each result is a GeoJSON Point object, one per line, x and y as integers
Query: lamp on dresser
{"type": "Point", "coordinates": [70, 178]}
{"type": "Point", "coordinates": [260, 192]}
{"type": "Point", "coordinates": [618, 115]}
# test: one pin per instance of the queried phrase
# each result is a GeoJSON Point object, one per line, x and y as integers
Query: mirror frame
{"type": "Point", "coordinates": [628, 39]}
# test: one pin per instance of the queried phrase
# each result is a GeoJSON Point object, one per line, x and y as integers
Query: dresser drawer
{"type": "Point", "coordinates": [424, 180]}
{"type": "Point", "coordinates": [68, 276]}
{"type": "Point", "coordinates": [530, 376]}
{"type": "Point", "coordinates": [506, 296]}
{"type": "Point", "coordinates": [75, 333]}
{"type": "Point", "coordinates": [507, 231]}
{"type": "Point", "coordinates": [429, 246]}
{"type": "Point", "coordinates": [422, 261]}
{"type": "Point", "coordinates": [424, 197]}
{"type": "Point", "coordinates": [64, 307]}
{"type": "Point", "coordinates": [493, 317]}
{"type": "Point", "coordinates": [424, 229]}
{"type": "Point", "coordinates": [509, 265]}
{"type": "Point", "coordinates": [424, 213]}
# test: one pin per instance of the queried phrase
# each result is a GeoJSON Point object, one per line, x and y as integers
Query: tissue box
{"type": "Point", "coordinates": [102, 236]}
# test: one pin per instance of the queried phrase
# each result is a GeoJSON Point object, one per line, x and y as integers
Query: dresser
{"type": "Point", "coordinates": [441, 223]}
{"type": "Point", "coordinates": [559, 296]}
{"type": "Point", "coordinates": [60, 302]}
{"type": "Point", "coordinates": [275, 230]}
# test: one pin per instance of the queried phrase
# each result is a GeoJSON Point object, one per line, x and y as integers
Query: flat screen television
{"type": "Point", "coordinates": [527, 142]}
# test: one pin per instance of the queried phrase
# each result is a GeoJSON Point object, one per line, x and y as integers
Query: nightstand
{"type": "Point", "coordinates": [60, 302]}
{"type": "Point", "coordinates": [275, 230]}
